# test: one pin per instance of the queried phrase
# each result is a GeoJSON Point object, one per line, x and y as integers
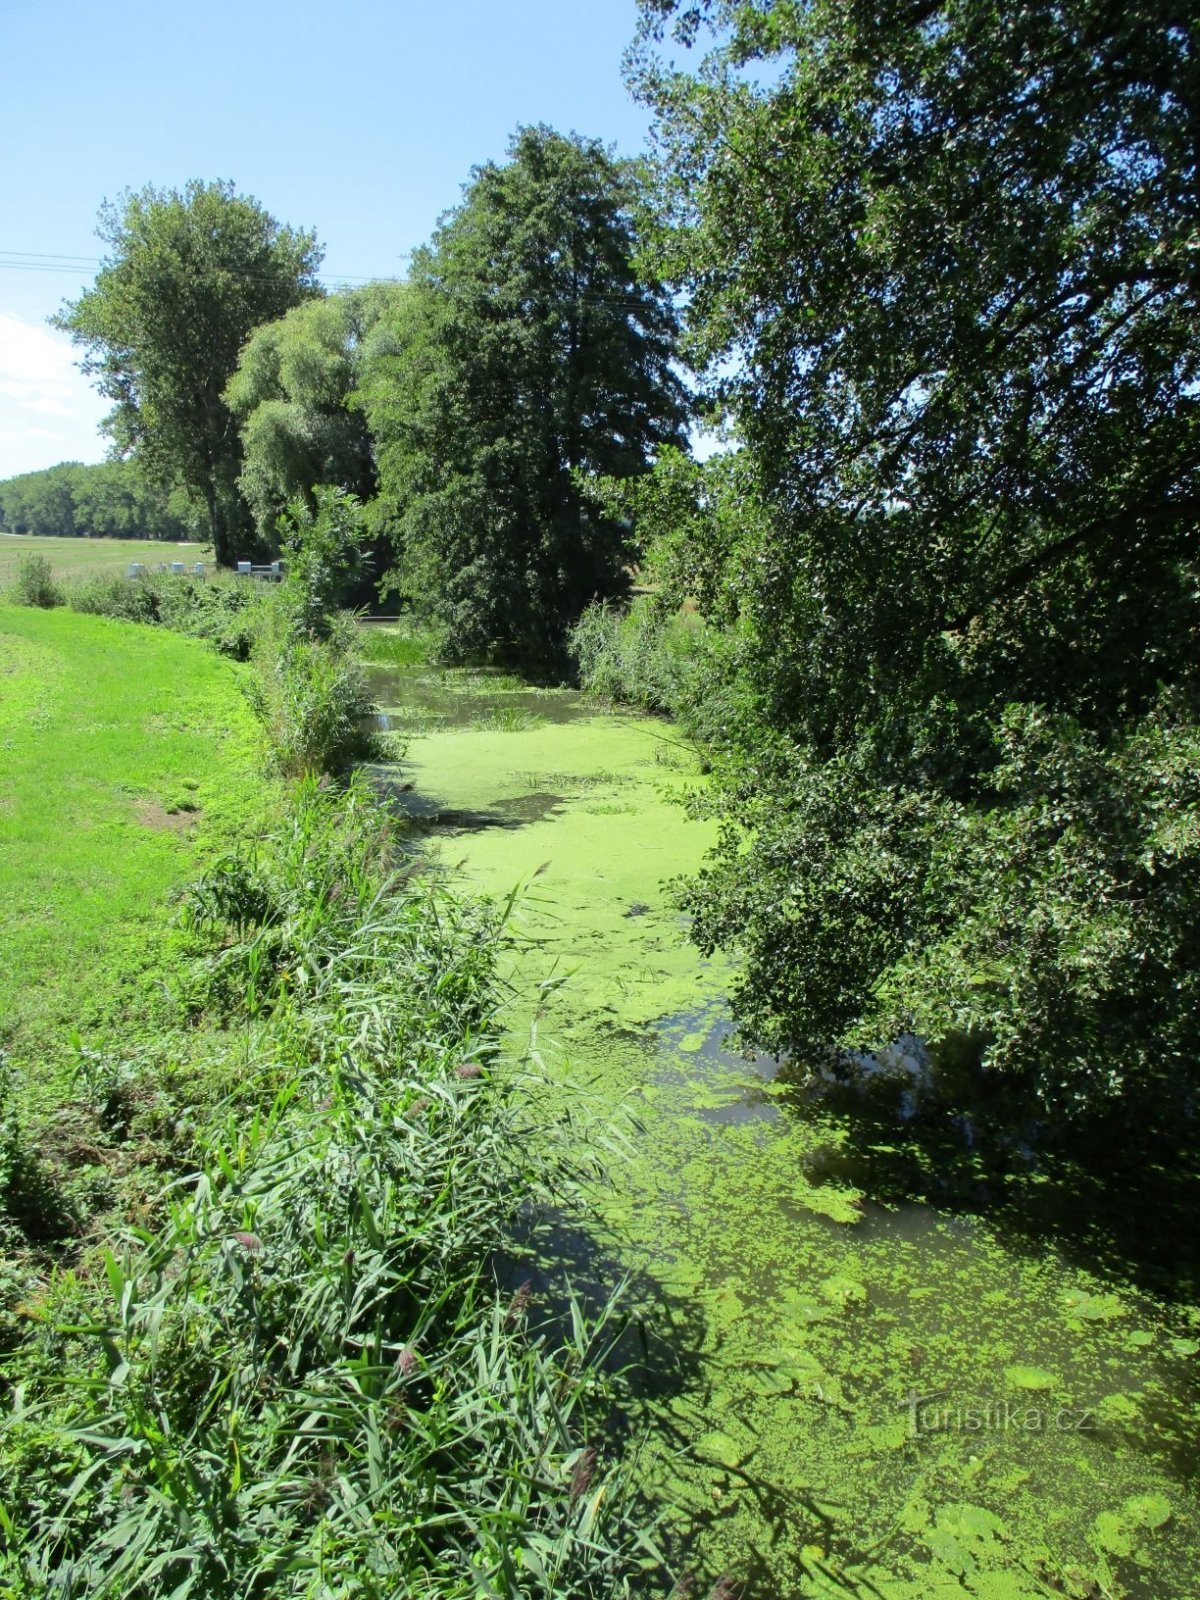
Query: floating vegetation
{"type": "Point", "coordinates": [800, 1295]}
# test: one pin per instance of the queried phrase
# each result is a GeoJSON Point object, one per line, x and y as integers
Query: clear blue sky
{"type": "Point", "coordinates": [362, 122]}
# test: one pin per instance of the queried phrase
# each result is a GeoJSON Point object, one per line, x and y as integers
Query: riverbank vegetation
{"type": "Point", "coordinates": [255, 1330]}
{"type": "Point", "coordinates": [954, 559]}
{"type": "Point", "coordinates": [299, 1368]}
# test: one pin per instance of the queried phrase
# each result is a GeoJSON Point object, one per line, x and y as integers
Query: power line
{"type": "Point", "coordinates": [49, 262]}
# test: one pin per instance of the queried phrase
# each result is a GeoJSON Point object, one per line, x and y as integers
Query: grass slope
{"type": "Point", "coordinates": [73, 558]}
{"type": "Point", "coordinates": [124, 752]}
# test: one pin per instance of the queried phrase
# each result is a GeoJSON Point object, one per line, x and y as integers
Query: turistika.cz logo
{"type": "Point", "coordinates": [932, 1413]}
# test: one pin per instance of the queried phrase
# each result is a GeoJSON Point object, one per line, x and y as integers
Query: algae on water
{"type": "Point", "coordinates": [855, 1398]}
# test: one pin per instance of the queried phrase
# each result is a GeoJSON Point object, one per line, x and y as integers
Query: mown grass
{"type": "Point", "coordinates": [126, 752]}
{"type": "Point", "coordinates": [71, 558]}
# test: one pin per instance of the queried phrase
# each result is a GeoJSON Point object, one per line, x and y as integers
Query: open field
{"type": "Point", "coordinates": [82, 557]}
{"type": "Point", "coordinates": [124, 751]}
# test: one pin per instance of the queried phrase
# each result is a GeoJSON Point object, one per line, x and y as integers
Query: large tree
{"type": "Point", "coordinates": [292, 395]}
{"type": "Point", "coordinates": [189, 276]}
{"type": "Point", "coordinates": [530, 356]}
{"type": "Point", "coordinates": [943, 261]}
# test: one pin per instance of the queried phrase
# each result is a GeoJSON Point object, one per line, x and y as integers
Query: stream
{"type": "Point", "coordinates": [855, 1392]}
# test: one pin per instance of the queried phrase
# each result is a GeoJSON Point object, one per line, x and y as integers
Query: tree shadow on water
{"type": "Point", "coordinates": [1117, 1194]}
{"type": "Point", "coordinates": [667, 1379]}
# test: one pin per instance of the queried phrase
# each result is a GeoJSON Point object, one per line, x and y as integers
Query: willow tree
{"type": "Point", "coordinates": [293, 397]}
{"type": "Point", "coordinates": [188, 277]}
{"type": "Point", "coordinates": [530, 357]}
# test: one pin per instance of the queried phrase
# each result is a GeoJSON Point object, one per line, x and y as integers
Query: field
{"type": "Point", "coordinates": [71, 558]}
{"type": "Point", "coordinates": [125, 752]}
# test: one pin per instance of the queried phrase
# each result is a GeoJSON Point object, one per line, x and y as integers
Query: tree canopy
{"type": "Point", "coordinates": [189, 276]}
{"type": "Point", "coordinates": [108, 500]}
{"type": "Point", "coordinates": [292, 396]}
{"type": "Point", "coordinates": [529, 357]}
{"type": "Point", "coordinates": [942, 265]}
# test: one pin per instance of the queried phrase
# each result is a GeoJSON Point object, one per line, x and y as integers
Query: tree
{"type": "Point", "coordinates": [189, 277]}
{"type": "Point", "coordinates": [942, 264]}
{"type": "Point", "coordinates": [528, 357]}
{"type": "Point", "coordinates": [291, 395]}
{"type": "Point", "coordinates": [110, 499]}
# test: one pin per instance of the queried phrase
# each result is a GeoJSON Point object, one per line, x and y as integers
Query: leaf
{"type": "Point", "coordinates": [1036, 1379]}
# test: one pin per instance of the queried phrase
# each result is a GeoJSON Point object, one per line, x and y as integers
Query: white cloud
{"type": "Point", "coordinates": [39, 379]}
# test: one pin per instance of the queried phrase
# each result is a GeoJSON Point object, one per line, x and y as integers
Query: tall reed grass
{"type": "Point", "coordinates": [307, 1379]}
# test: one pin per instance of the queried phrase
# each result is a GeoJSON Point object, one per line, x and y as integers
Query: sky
{"type": "Point", "coordinates": [363, 122]}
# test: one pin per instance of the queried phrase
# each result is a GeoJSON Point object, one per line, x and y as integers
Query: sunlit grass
{"type": "Point", "coordinates": [394, 644]}
{"type": "Point", "coordinates": [508, 719]}
{"type": "Point", "coordinates": [70, 558]}
{"type": "Point", "coordinates": [121, 747]}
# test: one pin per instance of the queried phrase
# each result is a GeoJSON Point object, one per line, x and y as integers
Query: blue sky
{"type": "Point", "coordinates": [363, 123]}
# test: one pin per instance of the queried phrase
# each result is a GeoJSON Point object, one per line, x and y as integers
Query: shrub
{"type": "Point", "coordinates": [223, 610]}
{"type": "Point", "coordinates": [311, 697]}
{"type": "Point", "coordinates": [35, 585]}
{"type": "Point", "coordinates": [666, 662]}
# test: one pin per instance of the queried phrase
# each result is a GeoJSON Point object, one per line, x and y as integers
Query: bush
{"type": "Point", "coordinates": [1044, 918]}
{"type": "Point", "coordinates": [222, 610]}
{"type": "Point", "coordinates": [664, 662]}
{"type": "Point", "coordinates": [35, 585]}
{"type": "Point", "coordinates": [311, 697]}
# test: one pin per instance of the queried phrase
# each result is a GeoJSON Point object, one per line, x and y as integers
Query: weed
{"type": "Point", "coordinates": [306, 1378]}
{"type": "Point", "coordinates": [508, 719]}
{"type": "Point", "coordinates": [396, 646]}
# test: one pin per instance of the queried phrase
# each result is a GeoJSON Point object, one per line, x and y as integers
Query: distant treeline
{"type": "Point", "coordinates": [109, 500]}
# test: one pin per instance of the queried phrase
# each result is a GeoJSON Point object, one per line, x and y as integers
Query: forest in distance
{"type": "Point", "coordinates": [851, 436]}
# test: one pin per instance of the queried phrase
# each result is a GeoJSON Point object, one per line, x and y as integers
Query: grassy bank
{"type": "Point", "coordinates": [255, 1340]}
{"type": "Point", "coordinates": [128, 753]}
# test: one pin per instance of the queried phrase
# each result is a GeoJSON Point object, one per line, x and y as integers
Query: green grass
{"type": "Point", "coordinates": [304, 1377]}
{"type": "Point", "coordinates": [72, 558]}
{"type": "Point", "coordinates": [397, 644]}
{"type": "Point", "coordinates": [124, 752]}
{"type": "Point", "coordinates": [508, 719]}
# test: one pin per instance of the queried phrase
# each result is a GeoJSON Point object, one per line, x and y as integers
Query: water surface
{"type": "Point", "coordinates": [856, 1393]}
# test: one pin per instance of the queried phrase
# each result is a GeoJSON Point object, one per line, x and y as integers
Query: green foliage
{"type": "Point", "coordinates": [309, 692]}
{"type": "Point", "coordinates": [528, 354]}
{"type": "Point", "coordinates": [108, 500]}
{"type": "Point", "coordinates": [396, 646]}
{"type": "Point", "coordinates": [189, 277]}
{"type": "Point", "coordinates": [1010, 460]}
{"type": "Point", "coordinates": [938, 263]}
{"type": "Point", "coordinates": [307, 1377]}
{"type": "Point", "coordinates": [324, 546]}
{"type": "Point", "coordinates": [311, 697]}
{"type": "Point", "coordinates": [658, 660]}
{"type": "Point", "coordinates": [35, 585]}
{"type": "Point", "coordinates": [225, 611]}
{"type": "Point", "coordinates": [290, 396]}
